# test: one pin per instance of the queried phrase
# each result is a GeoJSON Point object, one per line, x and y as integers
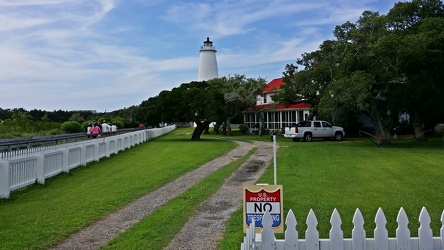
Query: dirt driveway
{"type": "Point", "coordinates": [205, 228]}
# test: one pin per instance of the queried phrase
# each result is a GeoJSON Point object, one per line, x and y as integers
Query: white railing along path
{"type": "Point", "coordinates": [25, 168]}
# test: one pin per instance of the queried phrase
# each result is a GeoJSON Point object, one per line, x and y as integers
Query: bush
{"type": "Point", "coordinates": [54, 132]}
{"type": "Point", "coordinates": [119, 123]}
{"type": "Point", "coordinates": [243, 128]}
{"type": "Point", "coordinates": [439, 129]}
{"type": "Point", "coordinates": [71, 127]}
{"type": "Point", "coordinates": [26, 126]}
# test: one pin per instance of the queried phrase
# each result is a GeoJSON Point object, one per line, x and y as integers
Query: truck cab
{"type": "Point", "coordinates": [307, 130]}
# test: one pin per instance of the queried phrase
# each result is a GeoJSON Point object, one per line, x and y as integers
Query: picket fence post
{"type": "Point", "coordinates": [381, 233]}
{"type": "Point", "coordinates": [311, 234]}
{"type": "Point", "coordinates": [5, 189]}
{"type": "Point", "coordinates": [40, 169]}
{"type": "Point", "coordinates": [425, 232]}
{"type": "Point", "coordinates": [336, 235]}
{"type": "Point", "coordinates": [291, 234]}
{"type": "Point", "coordinates": [268, 239]}
{"type": "Point", "coordinates": [403, 232]}
{"type": "Point", "coordinates": [358, 232]}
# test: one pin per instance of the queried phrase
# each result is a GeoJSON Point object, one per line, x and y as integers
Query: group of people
{"type": "Point", "coordinates": [96, 129]}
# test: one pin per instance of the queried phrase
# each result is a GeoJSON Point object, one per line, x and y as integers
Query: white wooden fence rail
{"type": "Point", "coordinates": [425, 240]}
{"type": "Point", "coordinates": [36, 165]}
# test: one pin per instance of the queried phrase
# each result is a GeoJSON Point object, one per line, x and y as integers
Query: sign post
{"type": "Point", "coordinates": [274, 161]}
{"type": "Point", "coordinates": [261, 198]}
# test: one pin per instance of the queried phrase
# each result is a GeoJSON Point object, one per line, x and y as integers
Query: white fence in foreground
{"type": "Point", "coordinates": [37, 165]}
{"type": "Point", "coordinates": [425, 240]}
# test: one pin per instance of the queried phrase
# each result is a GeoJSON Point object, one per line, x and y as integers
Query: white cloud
{"type": "Point", "coordinates": [108, 54]}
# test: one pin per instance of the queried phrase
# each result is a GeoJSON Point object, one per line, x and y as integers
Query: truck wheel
{"type": "Point", "coordinates": [307, 137]}
{"type": "Point", "coordinates": [295, 139]}
{"type": "Point", "coordinates": [338, 136]}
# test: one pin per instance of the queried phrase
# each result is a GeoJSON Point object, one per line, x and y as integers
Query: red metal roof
{"type": "Point", "coordinates": [301, 105]}
{"type": "Point", "coordinates": [274, 85]}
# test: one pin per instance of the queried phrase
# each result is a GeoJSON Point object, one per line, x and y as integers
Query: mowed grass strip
{"type": "Point", "coordinates": [42, 215]}
{"type": "Point", "coordinates": [158, 229]}
{"type": "Point", "coordinates": [355, 174]}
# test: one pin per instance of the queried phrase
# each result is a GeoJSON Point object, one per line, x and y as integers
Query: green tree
{"type": "Point", "coordinates": [381, 65]}
{"type": "Point", "coordinates": [194, 102]}
{"type": "Point", "coordinates": [45, 118]}
{"type": "Point", "coordinates": [416, 43]}
{"type": "Point", "coordinates": [247, 89]}
{"type": "Point", "coordinates": [20, 114]}
{"type": "Point", "coordinates": [237, 97]}
{"type": "Point", "coordinates": [201, 105]}
{"type": "Point", "coordinates": [5, 114]}
{"type": "Point", "coordinates": [77, 117]}
{"type": "Point", "coordinates": [149, 113]}
{"type": "Point", "coordinates": [71, 127]}
{"type": "Point", "coordinates": [37, 114]}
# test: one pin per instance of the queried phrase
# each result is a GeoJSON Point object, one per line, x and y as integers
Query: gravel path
{"type": "Point", "coordinates": [205, 228]}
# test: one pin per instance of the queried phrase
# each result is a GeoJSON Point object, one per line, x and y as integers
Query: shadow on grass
{"type": "Point", "coordinates": [185, 140]}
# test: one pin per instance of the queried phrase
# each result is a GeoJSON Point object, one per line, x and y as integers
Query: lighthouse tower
{"type": "Point", "coordinates": [208, 63]}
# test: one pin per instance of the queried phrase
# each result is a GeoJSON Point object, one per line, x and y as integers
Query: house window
{"type": "Point", "coordinates": [265, 98]}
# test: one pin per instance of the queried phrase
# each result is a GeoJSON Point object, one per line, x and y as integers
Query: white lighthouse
{"type": "Point", "coordinates": [208, 63]}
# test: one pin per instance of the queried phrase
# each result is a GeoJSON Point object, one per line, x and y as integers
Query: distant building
{"type": "Point", "coordinates": [81, 111]}
{"type": "Point", "coordinates": [208, 63]}
{"type": "Point", "coordinates": [276, 116]}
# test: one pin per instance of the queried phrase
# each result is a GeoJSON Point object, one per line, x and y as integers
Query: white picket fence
{"type": "Point", "coordinates": [425, 241]}
{"type": "Point", "coordinates": [36, 165]}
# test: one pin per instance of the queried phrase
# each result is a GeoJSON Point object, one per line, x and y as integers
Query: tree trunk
{"type": "Point", "coordinates": [207, 128]}
{"type": "Point", "coordinates": [200, 128]}
{"type": "Point", "coordinates": [381, 132]}
{"type": "Point", "coordinates": [311, 114]}
{"type": "Point", "coordinates": [224, 128]}
{"type": "Point", "coordinates": [216, 128]}
{"type": "Point", "coordinates": [261, 123]}
{"type": "Point", "coordinates": [228, 126]}
{"type": "Point", "coordinates": [418, 127]}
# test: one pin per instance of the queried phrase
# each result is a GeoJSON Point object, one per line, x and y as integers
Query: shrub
{"type": "Point", "coordinates": [71, 127]}
{"type": "Point", "coordinates": [119, 123]}
{"type": "Point", "coordinates": [26, 126]}
{"type": "Point", "coordinates": [243, 128]}
{"type": "Point", "coordinates": [439, 129]}
{"type": "Point", "coordinates": [54, 132]}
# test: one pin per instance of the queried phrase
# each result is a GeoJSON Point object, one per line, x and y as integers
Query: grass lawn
{"type": "Point", "coordinates": [323, 175]}
{"type": "Point", "coordinates": [320, 175]}
{"type": "Point", "coordinates": [41, 215]}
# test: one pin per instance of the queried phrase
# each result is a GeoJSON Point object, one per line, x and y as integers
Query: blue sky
{"type": "Point", "coordinates": [105, 55]}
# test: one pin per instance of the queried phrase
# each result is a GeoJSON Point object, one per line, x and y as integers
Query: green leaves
{"type": "Point", "coordinates": [381, 64]}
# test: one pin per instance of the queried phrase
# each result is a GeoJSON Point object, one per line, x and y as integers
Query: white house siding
{"type": "Point", "coordinates": [275, 116]}
{"type": "Point", "coordinates": [276, 119]}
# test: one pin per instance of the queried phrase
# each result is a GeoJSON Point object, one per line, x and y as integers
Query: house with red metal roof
{"type": "Point", "coordinates": [276, 115]}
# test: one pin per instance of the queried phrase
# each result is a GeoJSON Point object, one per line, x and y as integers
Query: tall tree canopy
{"type": "Point", "coordinates": [194, 102]}
{"type": "Point", "coordinates": [240, 93]}
{"type": "Point", "coordinates": [381, 65]}
{"type": "Point", "coordinates": [218, 100]}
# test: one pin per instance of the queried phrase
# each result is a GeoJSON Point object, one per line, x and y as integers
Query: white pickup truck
{"type": "Point", "coordinates": [308, 130]}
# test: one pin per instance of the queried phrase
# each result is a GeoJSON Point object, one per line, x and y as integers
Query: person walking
{"type": "Point", "coordinates": [96, 131]}
{"type": "Point", "coordinates": [89, 130]}
{"type": "Point", "coordinates": [114, 127]}
{"type": "Point", "coordinates": [105, 127]}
